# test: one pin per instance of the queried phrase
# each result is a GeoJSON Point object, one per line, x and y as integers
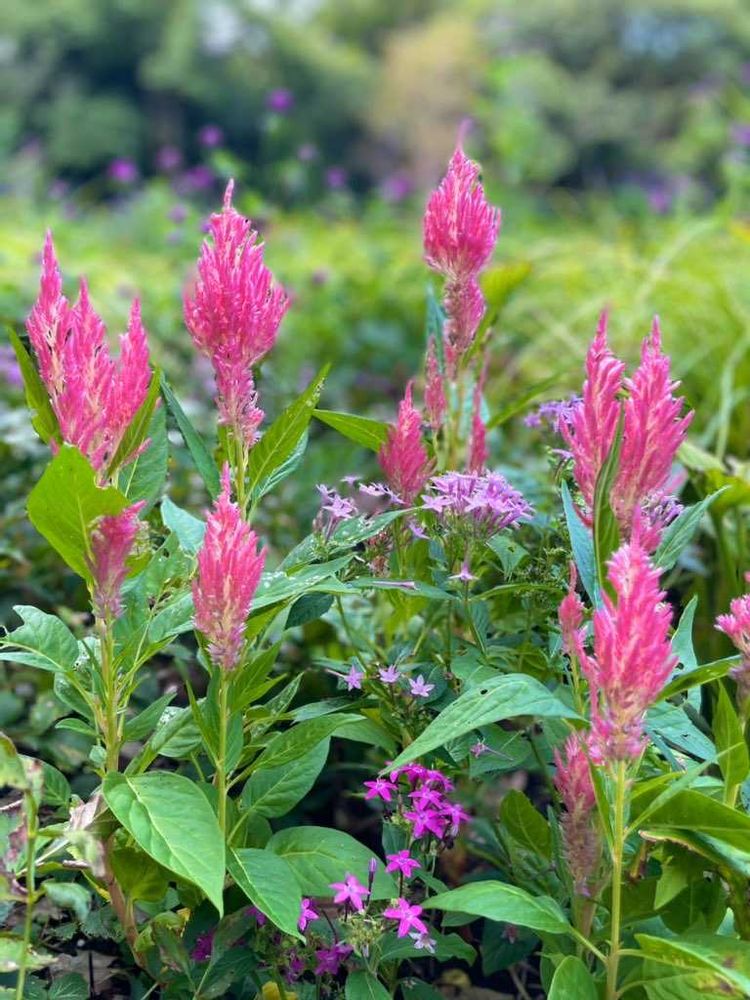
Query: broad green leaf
{"type": "Point", "coordinates": [274, 791]}
{"type": "Point", "coordinates": [506, 903]}
{"type": "Point", "coordinates": [446, 946]}
{"type": "Point", "coordinates": [501, 698]}
{"type": "Point", "coordinates": [71, 986]}
{"type": "Point", "coordinates": [42, 641]}
{"type": "Point", "coordinates": [277, 586]}
{"type": "Point", "coordinates": [731, 746]}
{"type": "Point", "coordinates": [581, 543]}
{"type": "Point", "coordinates": [295, 742]}
{"type": "Point", "coordinates": [369, 433]}
{"type": "Point", "coordinates": [270, 884]}
{"type": "Point", "coordinates": [703, 674]}
{"type": "Point", "coordinates": [138, 875]}
{"type": "Point", "coordinates": [144, 477]}
{"type": "Point", "coordinates": [12, 947]}
{"type": "Point", "coordinates": [308, 608]}
{"type": "Point", "coordinates": [572, 981]}
{"type": "Point", "coordinates": [359, 529]}
{"type": "Point", "coordinates": [525, 824]}
{"type": "Point", "coordinates": [174, 618]}
{"type": "Point", "coordinates": [43, 419]}
{"type": "Point", "coordinates": [69, 896]}
{"type": "Point", "coordinates": [319, 856]}
{"type": "Point", "coordinates": [55, 786]}
{"type": "Point", "coordinates": [138, 429]}
{"type": "Point", "coordinates": [679, 533]}
{"type": "Point", "coordinates": [726, 959]}
{"type": "Point", "coordinates": [195, 444]}
{"type": "Point", "coordinates": [170, 819]}
{"type": "Point", "coordinates": [142, 725]}
{"type": "Point", "coordinates": [284, 469]}
{"type": "Point", "coordinates": [671, 724]}
{"type": "Point", "coordinates": [282, 437]}
{"type": "Point", "coordinates": [682, 640]}
{"type": "Point", "coordinates": [189, 529]}
{"type": "Point", "coordinates": [519, 404]}
{"type": "Point", "coordinates": [65, 502]}
{"type": "Point", "coordinates": [364, 986]}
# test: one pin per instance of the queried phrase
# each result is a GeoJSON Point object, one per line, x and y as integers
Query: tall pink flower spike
{"type": "Point", "coordinates": [435, 403]}
{"type": "Point", "coordinates": [736, 625]}
{"type": "Point", "coordinates": [229, 570]}
{"type": "Point", "coordinates": [576, 789]}
{"type": "Point", "coordinates": [478, 450]}
{"type": "Point", "coordinates": [93, 398]}
{"type": "Point", "coordinates": [233, 314]}
{"type": "Point", "coordinates": [403, 458]}
{"type": "Point", "coordinates": [460, 231]}
{"type": "Point", "coordinates": [570, 616]}
{"type": "Point", "coordinates": [111, 542]}
{"type": "Point", "coordinates": [632, 658]}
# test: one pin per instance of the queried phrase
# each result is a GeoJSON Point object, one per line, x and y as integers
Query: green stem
{"type": "Point", "coordinates": [111, 733]}
{"type": "Point", "coordinates": [220, 778]}
{"type": "Point", "coordinates": [618, 846]}
{"type": "Point", "coordinates": [32, 829]}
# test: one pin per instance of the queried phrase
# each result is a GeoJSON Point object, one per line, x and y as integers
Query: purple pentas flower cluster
{"type": "Point", "coordinates": [416, 797]}
{"type": "Point", "coordinates": [390, 681]}
{"type": "Point", "coordinates": [480, 505]}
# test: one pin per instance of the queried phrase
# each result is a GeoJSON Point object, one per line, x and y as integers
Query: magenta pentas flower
{"type": "Point", "coordinates": [403, 458]}
{"type": "Point", "coordinates": [403, 863]}
{"type": "Point", "coordinates": [350, 892]}
{"type": "Point", "coordinates": [233, 314]}
{"type": "Point", "coordinates": [736, 625]}
{"type": "Point", "coordinates": [632, 658]}
{"type": "Point", "coordinates": [93, 397]}
{"type": "Point", "coordinates": [229, 570]}
{"type": "Point", "coordinates": [112, 540]}
{"type": "Point", "coordinates": [653, 430]}
{"type": "Point", "coordinates": [576, 789]}
{"type": "Point", "coordinates": [407, 916]}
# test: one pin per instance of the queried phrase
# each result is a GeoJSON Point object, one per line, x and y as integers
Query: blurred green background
{"type": "Point", "coordinates": [615, 134]}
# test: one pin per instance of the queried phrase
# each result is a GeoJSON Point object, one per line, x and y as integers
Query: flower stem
{"type": "Point", "coordinates": [220, 778]}
{"type": "Point", "coordinates": [618, 847]}
{"type": "Point", "coordinates": [110, 732]}
{"type": "Point", "coordinates": [31, 836]}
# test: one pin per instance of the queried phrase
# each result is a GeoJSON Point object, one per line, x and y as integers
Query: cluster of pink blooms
{"type": "Point", "coordinates": [460, 232]}
{"type": "Point", "coordinates": [632, 658]}
{"type": "Point", "coordinates": [233, 314]}
{"type": "Point", "coordinates": [391, 676]}
{"type": "Point", "coordinates": [229, 570]}
{"type": "Point", "coordinates": [652, 431]}
{"type": "Point", "coordinates": [352, 895]}
{"type": "Point", "coordinates": [485, 503]}
{"type": "Point", "coordinates": [93, 397]}
{"type": "Point", "coordinates": [736, 624]}
{"type": "Point", "coordinates": [403, 457]}
{"type": "Point", "coordinates": [582, 841]}
{"type": "Point", "coordinates": [111, 542]}
{"type": "Point", "coordinates": [419, 796]}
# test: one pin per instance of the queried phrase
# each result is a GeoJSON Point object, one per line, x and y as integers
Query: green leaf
{"type": "Point", "coordinates": [277, 586]}
{"type": "Point", "coordinates": [506, 903]}
{"type": "Point", "coordinates": [144, 477]}
{"type": "Point", "coordinates": [319, 856]}
{"type": "Point", "coordinates": [501, 698]}
{"type": "Point", "coordinates": [729, 735]}
{"type": "Point", "coordinates": [369, 433]}
{"type": "Point", "coordinates": [572, 981]}
{"type": "Point", "coordinates": [521, 402]}
{"type": "Point", "coordinates": [581, 543]}
{"type": "Point", "coordinates": [364, 986]}
{"type": "Point", "coordinates": [170, 819]}
{"type": "Point", "coordinates": [270, 884]}
{"type": "Point", "coordinates": [69, 896]}
{"type": "Point", "coordinates": [142, 725]}
{"type": "Point", "coordinates": [606, 531]}
{"type": "Point", "coordinates": [308, 608]}
{"type": "Point", "coordinates": [43, 418]}
{"type": "Point", "coordinates": [195, 444]}
{"type": "Point", "coordinates": [274, 791]}
{"type": "Point", "coordinates": [55, 786]}
{"type": "Point", "coordinates": [138, 875]}
{"type": "Point", "coordinates": [682, 640]}
{"type": "Point", "coordinates": [43, 641]}
{"type": "Point", "coordinates": [12, 947]}
{"type": "Point", "coordinates": [704, 674]}
{"type": "Point", "coordinates": [189, 529]}
{"type": "Point", "coordinates": [282, 437]}
{"type": "Point", "coordinates": [295, 742]}
{"type": "Point", "coordinates": [71, 986]}
{"type": "Point", "coordinates": [65, 502]}
{"type": "Point", "coordinates": [137, 431]}
{"type": "Point", "coordinates": [525, 824]}
{"type": "Point", "coordinates": [725, 962]}
{"type": "Point", "coordinates": [679, 533]}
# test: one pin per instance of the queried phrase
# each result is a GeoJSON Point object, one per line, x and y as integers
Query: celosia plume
{"type": "Point", "coordinates": [229, 570]}
{"type": "Point", "coordinates": [460, 231]}
{"type": "Point", "coordinates": [233, 315]}
{"type": "Point", "coordinates": [111, 544]}
{"type": "Point", "coordinates": [570, 616]}
{"type": "Point", "coordinates": [434, 389]}
{"type": "Point", "coordinates": [736, 625]}
{"type": "Point", "coordinates": [403, 458]}
{"type": "Point", "coordinates": [93, 398]}
{"type": "Point", "coordinates": [576, 789]}
{"type": "Point", "coordinates": [478, 451]}
{"type": "Point", "coordinates": [632, 658]}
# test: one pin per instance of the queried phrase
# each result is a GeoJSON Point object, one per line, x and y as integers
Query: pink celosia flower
{"type": "Point", "coordinates": [653, 431]}
{"type": "Point", "coordinates": [582, 841]}
{"type": "Point", "coordinates": [111, 544]}
{"type": "Point", "coordinates": [93, 398]}
{"type": "Point", "coordinates": [570, 615]}
{"type": "Point", "coordinates": [403, 458]}
{"type": "Point", "coordinates": [460, 232]}
{"type": "Point", "coordinates": [350, 891]}
{"type": "Point", "coordinates": [229, 569]}
{"type": "Point", "coordinates": [632, 654]}
{"type": "Point", "coordinates": [402, 862]}
{"type": "Point", "coordinates": [434, 389]}
{"type": "Point", "coordinates": [736, 624]}
{"type": "Point", "coordinates": [407, 916]}
{"type": "Point", "coordinates": [233, 315]}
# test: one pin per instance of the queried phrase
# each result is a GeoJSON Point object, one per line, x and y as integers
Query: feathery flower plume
{"type": "Point", "coordinates": [632, 657]}
{"type": "Point", "coordinates": [460, 231]}
{"type": "Point", "coordinates": [736, 625]}
{"type": "Point", "coordinates": [434, 389]}
{"type": "Point", "coordinates": [233, 315]}
{"type": "Point", "coordinates": [570, 616]}
{"type": "Point", "coordinates": [111, 543]}
{"type": "Point", "coordinates": [229, 569]}
{"type": "Point", "coordinates": [582, 842]}
{"type": "Point", "coordinates": [403, 458]}
{"type": "Point", "coordinates": [478, 451]}
{"type": "Point", "coordinates": [93, 398]}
